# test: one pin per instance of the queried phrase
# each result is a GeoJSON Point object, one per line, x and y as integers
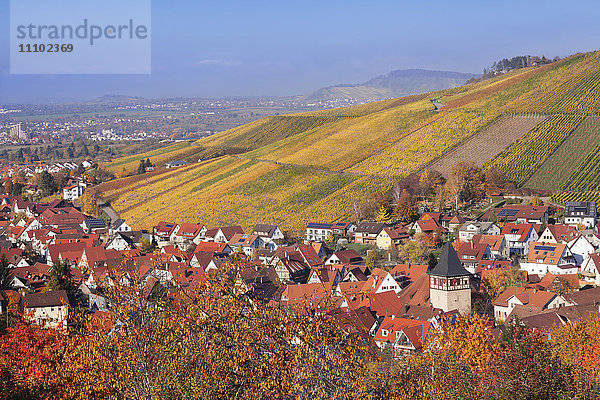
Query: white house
{"type": "Point", "coordinates": [47, 309]}
{"type": "Point", "coordinates": [318, 232]}
{"type": "Point", "coordinates": [121, 226]}
{"type": "Point", "coordinates": [472, 228]}
{"type": "Point", "coordinates": [590, 270]}
{"type": "Point", "coordinates": [514, 296]}
{"type": "Point", "coordinates": [269, 234]}
{"type": "Point", "coordinates": [555, 258]}
{"type": "Point", "coordinates": [519, 237]}
{"type": "Point", "coordinates": [74, 191]}
{"type": "Point", "coordinates": [581, 212]}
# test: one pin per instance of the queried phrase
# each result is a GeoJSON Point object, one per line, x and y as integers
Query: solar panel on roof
{"type": "Point", "coordinates": [507, 213]}
{"type": "Point", "coordinates": [545, 248]}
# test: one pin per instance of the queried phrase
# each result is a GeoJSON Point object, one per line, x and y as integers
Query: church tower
{"type": "Point", "coordinates": [449, 287]}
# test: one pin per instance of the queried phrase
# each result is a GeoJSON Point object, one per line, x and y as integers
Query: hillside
{"type": "Point", "coordinates": [297, 168]}
{"type": "Point", "coordinates": [394, 84]}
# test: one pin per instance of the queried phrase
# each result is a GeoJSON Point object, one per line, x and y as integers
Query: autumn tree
{"type": "Point", "coordinates": [526, 367]}
{"type": "Point", "coordinates": [5, 273]}
{"type": "Point", "coordinates": [417, 251]}
{"type": "Point", "coordinates": [8, 186]}
{"type": "Point", "coordinates": [469, 179]}
{"type": "Point", "coordinates": [430, 180]}
{"type": "Point", "coordinates": [536, 201]}
{"type": "Point", "coordinates": [61, 278]}
{"type": "Point", "coordinates": [383, 215]}
{"type": "Point", "coordinates": [495, 181]}
{"type": "Point", "coordinates": [405, 208]}
{"type": "Point", "coordinates": [46, 183]}
{"type": "Point", "coordinates": [90, 202]}
{"type": "Point", "coordinates": [562, 285]}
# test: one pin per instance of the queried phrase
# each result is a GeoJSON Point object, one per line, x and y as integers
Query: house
{"type": "Point", "coordinates": [455, 223]}
{"type": "Point", "coordinates": [189, 233]}
{"type": "Point", "coordinates": [580, 248]}
{"type": "Point", "coordinates": [581, 212]}
{"type": "Point", "coordinates": [390, 237]}
{"type": "Point", "coordinates": [94, 225]}
{"type": "Point", "coordinates": [175, 164]}
{"type": "Point", "coordinates": [127, 240]}
{"type": "Point", "coordinates": [472, 228]}
{"type": "Point", "coordinates": [47, 309]}
{"type": "Point", "coordinates": [163, 232]}
{"type": "Point", "coordinates": [74, 191]}
{"type": "Point", "coordinates": [344, 257]}
{"type": "Point", "coordinates": [222, 234]}
{"type": "Point", "coordinates": [318, 232]}
{"type": "Point", "coordinates": [548, 257]}
{"type": "Point", "coordinates": [367, 232]}
{"type": "Point", "coordinates": [290, 265]}
{"type": "Point", "coordinates": [590, 269]}
{"type": "Point", "coordinates": [471, 254]}
{"type": "Point", "coordinates": [519, 237]}
{"type": "Point", "coordinates": [524, 214]}
{"type": "Point", "coordinates": [405, 274]}
{"type": "Point", "coordinates": [120, 226]}
{"type": "Point", "coordinates": [269, 234]}
{"type": "Point", "coordinates": [326, 275]}
{"type": "Point", "coordinates": [401, 336]}
{"type": "Point", "coordinates": [343, 229]}
{"type": "Point", "coordinates": [514, 295]}
{"type": "Point", "coordinates": [218, 249]}
{"type": "Point", "coordinates": [308, 298]}
{"type": "Point", "coordinates": [559, 233]}
{"type": "Point", "coordinates": [428, 226]}
{"type": "Point", "coordinates": [62, 217]}
{"type": "Point", "coordinates": [246, 243]}
{"type": "Point", "coordinates": [380, 281]}
{"type": "Point", "coordinates": [497, 244]}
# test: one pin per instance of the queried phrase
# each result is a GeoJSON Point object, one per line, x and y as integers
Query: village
{"type": "Point", "coordinates": [537, 265]}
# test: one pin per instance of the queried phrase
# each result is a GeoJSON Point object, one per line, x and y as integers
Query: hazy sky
{"type": "Point", "coordinates": [246, 48]}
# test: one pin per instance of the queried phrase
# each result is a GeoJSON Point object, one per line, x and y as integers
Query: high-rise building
{"type": "Point", "coordinates": [16, 132]}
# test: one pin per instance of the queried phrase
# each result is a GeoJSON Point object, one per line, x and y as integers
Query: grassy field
{"type": "Point", "coordinates": [315, 166]}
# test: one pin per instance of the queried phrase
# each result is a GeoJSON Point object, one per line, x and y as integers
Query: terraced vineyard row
{"type": "Point", "coordinates": [557, 168]}
{"type": "Point", "coordinates": [563, 197]}
{"type": "Point", "coordinates": [488, 143]}
{"type": "Point", "coordinates": [587, 174]}
{"type": "Point", "coordinates": [584, 98]}
{"type": "Point", "coordinates": [521, 159]}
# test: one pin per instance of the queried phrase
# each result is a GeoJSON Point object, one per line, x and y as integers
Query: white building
{"type": "Point", "coordinates": [74, 191]}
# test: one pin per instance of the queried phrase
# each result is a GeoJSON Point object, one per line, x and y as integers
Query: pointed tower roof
{"type": "Point", "coordinates": [449, 264]}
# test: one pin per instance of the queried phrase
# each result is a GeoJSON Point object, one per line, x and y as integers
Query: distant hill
{"type": "Point", "coordinates": [394, 84]}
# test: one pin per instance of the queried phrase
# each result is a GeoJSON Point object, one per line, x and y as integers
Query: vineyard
{"type": "Point", "coordinates": [345, 143]}
{"type": "Point", "coordinates": [587, 174]}
{"type": "Point", "coordinates": [563, 197]}
{"type": "Point", "coordinates": [557, 168]}
{"type": "Point", "coordinates": [520, 160]}
{"type": "Point", "coordinates": [179, 151]}
{"type": "Point", "coordinates": [488, 143]}
{"type": "Point", "coordinates": [415, 151]}
{"type": "Point", "coordinates": [263, 132]}
{"type": "Point", "coordinates": [535, 124]}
